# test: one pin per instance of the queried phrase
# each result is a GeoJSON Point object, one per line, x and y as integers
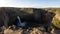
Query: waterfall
{"type": "Point", "coordinates": [22, 24]}
{"type": "Point", "coordinates": [19, 19]}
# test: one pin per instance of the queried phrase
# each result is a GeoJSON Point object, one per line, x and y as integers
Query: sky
{"type": "Point", "coordinates": [30, 3]}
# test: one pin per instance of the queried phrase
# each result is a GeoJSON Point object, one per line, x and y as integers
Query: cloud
{"type": "Point", "coordinates": [29, 3]}
{"type": "Point", "coordinates": [3, 3]}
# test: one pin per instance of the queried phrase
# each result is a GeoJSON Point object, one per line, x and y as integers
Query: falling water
{"type": "Point", "coordinates": [22, 24]}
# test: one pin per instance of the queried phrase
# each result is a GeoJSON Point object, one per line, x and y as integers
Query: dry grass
{"type": "Point", "coordinates": [24, 31]}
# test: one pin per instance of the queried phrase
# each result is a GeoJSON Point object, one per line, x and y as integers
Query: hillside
{"type": "Point", "coordinates": [23, 11]}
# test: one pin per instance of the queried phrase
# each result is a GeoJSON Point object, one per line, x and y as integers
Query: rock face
{"type": "Point", "coordinates": [9, 15]}
{"type": "Point", "coordinates": [39, 16]}
{"type": "Point", "coordinates": [6, 15]}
